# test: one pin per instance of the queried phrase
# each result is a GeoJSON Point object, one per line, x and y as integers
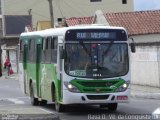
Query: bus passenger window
{"type": "Point", "coordinates": [46, 43]}
{"type": "Point", "coordinates": [52, 43]}
{"type": "Point", "coordinates": [54, 49]}
{"type": "Point", "coordinates": [21, 50]}
{"type": "Point", "coordinates": [21, 45]}
{"type": "Point", "coordinates": [31, 50]}
{"type": "Point", "coordinates": [29, 44]}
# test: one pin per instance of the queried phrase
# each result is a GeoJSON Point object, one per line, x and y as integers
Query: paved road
{"type": "Point", "coordinates": [12, 100]}
{"type": "Point", "coordinates": [85, 112]}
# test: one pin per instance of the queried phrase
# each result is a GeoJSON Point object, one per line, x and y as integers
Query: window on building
{"type": "Point", "coordinates": [95, 0]}
{"type": "Point", "coordinates": [124, 1]}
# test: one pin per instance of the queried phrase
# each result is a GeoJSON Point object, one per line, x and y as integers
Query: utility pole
{"type": "Point", "coordinates": [51, 13]}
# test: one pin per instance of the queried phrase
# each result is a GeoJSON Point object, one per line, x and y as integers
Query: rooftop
{"type": "Point", "coordinates": [136, 23]}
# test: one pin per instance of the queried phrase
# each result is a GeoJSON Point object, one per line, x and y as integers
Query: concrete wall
{"type": "Point", "coordinates": [147, 38]}
{"type": "Point", "coordinates": [145, 63]}
{"type": "Point", "coordinates": [63, 8]}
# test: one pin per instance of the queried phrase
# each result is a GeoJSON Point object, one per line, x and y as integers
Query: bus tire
{"type": "Point", "coordinates": [43, 102]}
{"type": "Point", "coordinates": [34, 101]}
{"type": "Point", "coordinates": [103, 106]}
{"type": "Point", "coordinates": [112, 106]}
{"type": "Point", "coordinates": [58, 107]}
{"type": "Point", "coordinates": [53, 92]}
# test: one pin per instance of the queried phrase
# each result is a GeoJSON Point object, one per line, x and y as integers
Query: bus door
{"type": "Point", "coordinates": [24, 61]}
{"type": "Point", "coordinates": [38, 60]}
{"type": "Point", "coordinates": [60, 66]}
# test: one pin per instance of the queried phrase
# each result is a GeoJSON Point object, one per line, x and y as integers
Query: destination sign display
{"type": "Point", "coordinates": [95, 35]}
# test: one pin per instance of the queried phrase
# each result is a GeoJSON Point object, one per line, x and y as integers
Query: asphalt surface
{"type": "Point", "coordinates": [15, 105]}
{"type": "Point", "coordinates": [13, 102]}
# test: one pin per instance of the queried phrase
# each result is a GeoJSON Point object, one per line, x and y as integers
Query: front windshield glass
{"type": "Point", "coordinates": [102, 60]}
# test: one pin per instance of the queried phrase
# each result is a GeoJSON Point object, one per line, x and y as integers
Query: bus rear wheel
{"type": "Point", "coordinates": [43, 102]}
{"type": "Point", "coordinates": [34, 101]}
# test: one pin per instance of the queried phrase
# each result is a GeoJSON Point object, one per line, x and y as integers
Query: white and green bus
{"type": "Point", "coordinates": [76, 65]}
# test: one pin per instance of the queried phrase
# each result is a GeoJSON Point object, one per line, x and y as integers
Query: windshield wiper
{"type": "Point", "coordinates": [107, 50]}
{"type": "Point", "coordinates": [85, 49]}
{"type": "Point", "coordinates": [110, 45]}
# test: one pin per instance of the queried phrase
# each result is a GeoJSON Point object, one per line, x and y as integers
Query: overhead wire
{"type": "Point", "coordinates": [74, 9]}
{"type": "Point", "coordinates": [60, 9]}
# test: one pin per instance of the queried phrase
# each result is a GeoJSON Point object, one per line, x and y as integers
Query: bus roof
{"type": "Point", "coordinates": [61, 31]}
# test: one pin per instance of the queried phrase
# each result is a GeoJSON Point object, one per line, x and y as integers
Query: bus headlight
{"type": "Point", "coordinates": [71, 87]}
{"type": "Point", "coordinates": [123, 87]}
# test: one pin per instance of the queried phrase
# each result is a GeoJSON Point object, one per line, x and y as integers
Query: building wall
{"type": "Point", "coordinates": [147, 38]}
{"type": "Point", "coordinates": [63, 8]}
{"type": "Point", "coordinates": [145, 63]}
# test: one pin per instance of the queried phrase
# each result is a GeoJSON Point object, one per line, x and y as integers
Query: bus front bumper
{"type": "Point", "coordinates": [96, 98]}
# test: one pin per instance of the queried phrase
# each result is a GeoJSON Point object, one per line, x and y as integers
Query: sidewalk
{"type": "Point", "coordinates": [139, 91]}
{"type": "Point", "coordinates": [5, 76]}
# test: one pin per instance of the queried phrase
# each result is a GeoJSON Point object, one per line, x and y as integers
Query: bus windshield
{"type": "Point", "coordinates": [101, 60]}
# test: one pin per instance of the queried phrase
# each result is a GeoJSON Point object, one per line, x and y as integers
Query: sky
{"type": "Point", "coordinates": [140, 5]}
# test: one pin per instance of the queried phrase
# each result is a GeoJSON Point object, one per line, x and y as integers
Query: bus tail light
{"type": "Point", "coordinates": [122, 97]}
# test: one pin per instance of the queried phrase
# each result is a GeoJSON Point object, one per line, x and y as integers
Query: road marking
{"type": "Point", "coordinates": [156, 114]}
{"type": "Point", "coordinates": [15, 98]}
{"type": "Point", "coordinates": [157, 111]}
{"type": "Point", "coordinates": [16, 101]}
{"type": "Point", "coordinates": [46, 110]}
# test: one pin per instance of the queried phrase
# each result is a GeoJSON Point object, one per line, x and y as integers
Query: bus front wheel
{"type": "Point", "coordinates": [58, 107]}
{"type": "Point", "coordinates": [112, 106]}
{"type": "Point", "coordinates": [34, 101]}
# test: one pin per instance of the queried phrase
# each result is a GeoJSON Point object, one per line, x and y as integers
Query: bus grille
{"type": "Point", "coordinates": [97, 97]}
{"type": "Point", "coordinates": [101, 90]}
{"type": "Point", "coordinates": [97, 86]}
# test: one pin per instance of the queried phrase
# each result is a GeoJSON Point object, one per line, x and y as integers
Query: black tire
{"type": "Point", "coordinates": [103, 106]}
{"type": "Point", "coordinates": [58, 107]}
{"type": "Point", "coordinates": [112, 106]}
{"type": "Point", "coordinates": [34, 101]}
{"type": "Point", "coordinates": [43, 102]}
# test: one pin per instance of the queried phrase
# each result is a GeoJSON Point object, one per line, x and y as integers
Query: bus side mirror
{"type": "Point", "coordinates": [133, 46]}
{"type": "Point", "coordinates": [62, 54]}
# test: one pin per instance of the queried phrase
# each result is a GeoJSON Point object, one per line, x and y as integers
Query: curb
{"type": "Point", "coordinates": [30, 117]}
{"type": "Point", "coordinates": [146, 95]}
